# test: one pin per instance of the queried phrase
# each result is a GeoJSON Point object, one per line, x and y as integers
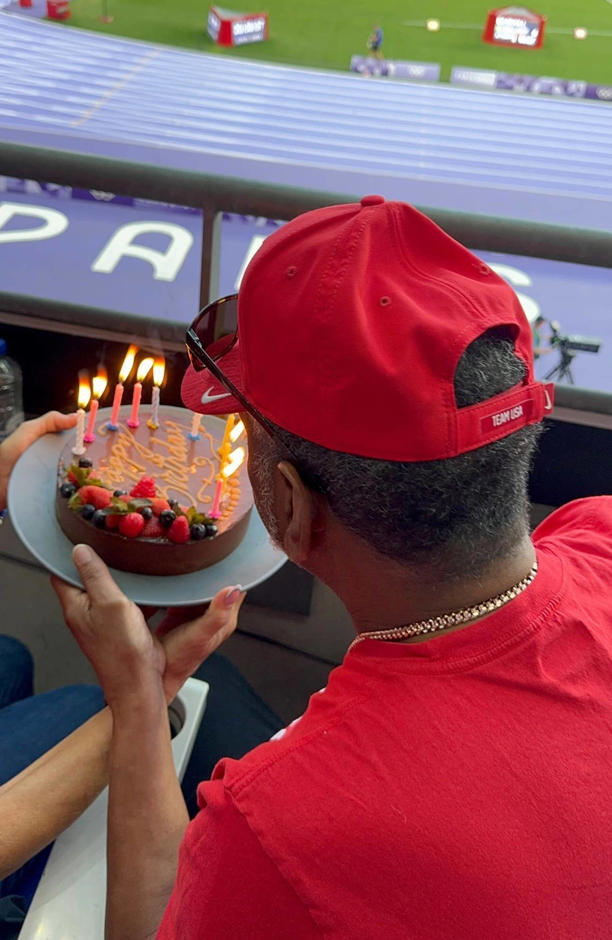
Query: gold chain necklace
{"type": "Point", "coordinates": [449, 620]}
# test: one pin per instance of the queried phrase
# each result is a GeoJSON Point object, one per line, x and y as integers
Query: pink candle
{"type": "Point", "coordinates": [93, 410]}
{"type": "Point", "coordinates": [126, 368]}
{"type": "Point", "coordinates": [133, 420]}
{"type": "Point", "coordinates": [215, 512]}
{"type": "Point", "coordinates": [143, 369]}
{"type": "Point", "coordinates": [99, 387]}
{"type": "Point", "coordinates": [112, 424]}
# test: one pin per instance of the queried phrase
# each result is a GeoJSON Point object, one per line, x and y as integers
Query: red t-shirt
{"type": "Point", "coordinates": [454, 788]}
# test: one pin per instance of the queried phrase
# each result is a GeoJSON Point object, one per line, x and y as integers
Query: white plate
{"type": "Point", "coordinates": [31, 504]}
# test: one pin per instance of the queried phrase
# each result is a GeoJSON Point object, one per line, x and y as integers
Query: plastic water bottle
{"type": "Point", "coordinates": [11, 395]}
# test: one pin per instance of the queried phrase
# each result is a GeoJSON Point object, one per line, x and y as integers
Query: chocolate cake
{"type": "Point", "coordinates": [142, 497]}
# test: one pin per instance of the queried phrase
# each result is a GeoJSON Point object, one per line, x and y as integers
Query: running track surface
{"type": "Point", "coordinates": [522, 157]}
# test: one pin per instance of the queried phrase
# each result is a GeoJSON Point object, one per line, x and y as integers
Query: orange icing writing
{"type": "Point", "coordinates": [170, 459]}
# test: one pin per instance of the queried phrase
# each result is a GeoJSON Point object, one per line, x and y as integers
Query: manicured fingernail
{"type": "Point", "coordinates": [232, 596]}
{"type": "Point", "coordinates": [81, 554]}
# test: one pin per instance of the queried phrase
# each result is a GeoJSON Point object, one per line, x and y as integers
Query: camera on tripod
{"type": "Point", "coordinates": [568, 345]}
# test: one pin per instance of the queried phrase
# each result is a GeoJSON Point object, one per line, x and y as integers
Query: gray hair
{"type": "Point", "coordinates": [456, 516]}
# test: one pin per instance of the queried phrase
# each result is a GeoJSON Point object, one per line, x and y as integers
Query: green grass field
{"type": "Point", "coordinates": [325, 35]}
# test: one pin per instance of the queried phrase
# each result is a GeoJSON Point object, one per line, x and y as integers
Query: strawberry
{"type": "Point", "coordinates": [144, 488]}
{"type": "Point", "coordinates": [179, 530]}
{"type": "Point", "coordinates": [159, 505]}
{"type": "Point", "coordinates": [71, 477]}
{"type": "Point", "coordinates": [112, 521]}
{"type": "Point", "coordinates": [131, 525]}
{"type": "Point", "coordinates": [152, 529]}
{"type": "Point", "coordinates": [96, 495]}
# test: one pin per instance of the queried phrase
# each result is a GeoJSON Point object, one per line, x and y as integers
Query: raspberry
{"type": "Point", "coordinates": [113, 521]}
{"type": "Point", "coordinates": [179, 530]}
{"type": "Point", "coordinates": [96, 495]}
{"type": "Point", "coordinates": [144, 488]}
{"type": "Point", "coordinates": [159, 505]}
{"type": "Point", "coordinates": [131, 525]}
{"type": "Point", "coordinates": [152, 529]}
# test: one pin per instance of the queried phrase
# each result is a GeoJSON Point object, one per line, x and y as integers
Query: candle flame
{"type": "Point", "coordinates": [144, 368]}
{"type": "Point", "coordinates": [128, 363]}
{"type": "Point", "coordinates": [84, 389]}
{"type": "Point", "coordinates": [159, 368]}
{"type": "Point", "coordinates": [234, 461]}
{"type": "Point", "coordinates": [237, 432]}
{"type": "Point", "coordinates": [99, 382]}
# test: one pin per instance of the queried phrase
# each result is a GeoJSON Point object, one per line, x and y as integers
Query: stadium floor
{"type": "Point", "coordinates": [522, 157]}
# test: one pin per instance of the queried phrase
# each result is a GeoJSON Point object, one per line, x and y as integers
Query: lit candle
{"type": "Point", "coordinates": [99, 387]}
{"type": "Point", "coordinates": [159, 367]}
{"type": "Point", "coordinates": [83, 401]}
{"type": "Point", "coordinates": [229, 424]}
{"type": "Point", "coordinates": [226, 444]}
{"type": "Point", "coordinates": [194, 433]}
{"type": "Point", "coordinates": [233, 463]}
{"type": "Point", "coordinates": [224, 457]}
{"type": "Point", "coordinates": [143, 369]}
{"type": "Point", "coordinates": [237, 432]}
{"type": "Point", "coordinates": [124, 372]}
{"type": "Point", "coordinates": [230, 465]}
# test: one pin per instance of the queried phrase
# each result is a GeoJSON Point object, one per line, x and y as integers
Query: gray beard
{"type": "Point", "coordinates": [264, 498]}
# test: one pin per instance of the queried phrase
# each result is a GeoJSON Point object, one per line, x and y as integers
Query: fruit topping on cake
{"type": "Point", "coordinates": [137, 514]}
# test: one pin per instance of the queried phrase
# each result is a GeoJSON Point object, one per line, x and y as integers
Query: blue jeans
{"type": "Point", "coordinates": [29, 726]}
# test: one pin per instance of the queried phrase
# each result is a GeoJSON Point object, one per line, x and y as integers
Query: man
{"type": "Point", "coordinates": [537, 332]}
{"type": "Point", "coordinates": [452, 779]}
{"type": "Point", "coordinates": [375, 40]}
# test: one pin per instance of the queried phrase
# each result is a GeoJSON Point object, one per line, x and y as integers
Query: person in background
{"type": "Point", "coordinates": [54, 746]}
{"type": "Point", "coordinates": [539, 339]}
{"type": "Point", "coordinates": [30, 724]}
{"type": "Point", "coordinates": [452, 780]}
{"type": "Point", "coordinates": [375, 41]}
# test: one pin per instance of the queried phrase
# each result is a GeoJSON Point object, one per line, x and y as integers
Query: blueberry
{"type": "Point", "coordinates": [85, 462]}
{"type": "Point", "coordinates": [119, 492]}
{"type": "Point", "coordinates": [87, 511]}
{"type": "Point", "coordinates": [99, 519]}
{"type": "Point", "coordinates": [146, 512]}
{"type": "Point", "coordinates": [166, 518]}
{"type": "Point", "coordinates": [172, 503]}
{"type": "Point", "coordinates": [211, 530]}
{"type": "Point", "coordinates": [198, 532]}
{"type": "Point", "coordinates": [67, 490]}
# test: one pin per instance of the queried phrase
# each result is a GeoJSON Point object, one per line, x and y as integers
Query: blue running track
{"type": "Point", "coordinates": [525, 157]}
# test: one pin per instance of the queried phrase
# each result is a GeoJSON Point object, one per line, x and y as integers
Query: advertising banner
{"type": "Point", "coordinates": [232, 28]}
{"type": "Point", "coordinates": [531, 84]}
{"type": "Point", "coordinates": [514, 26]}
{"type": "Point", "coordinates": [396, 68]}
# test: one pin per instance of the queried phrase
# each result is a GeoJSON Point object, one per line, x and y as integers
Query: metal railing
{"type": "Point", "coordinates": [214, 195]}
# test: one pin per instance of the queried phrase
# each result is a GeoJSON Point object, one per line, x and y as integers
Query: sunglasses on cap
{"type": "Point", "coordinates": [207, 357]}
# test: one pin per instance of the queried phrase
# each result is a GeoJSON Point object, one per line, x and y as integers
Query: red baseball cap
{"type": "Point", "coordinates": [351, 322]}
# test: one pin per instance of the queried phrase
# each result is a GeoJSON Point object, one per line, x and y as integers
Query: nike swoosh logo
{"type": "Point", "coordinates": [206, 397]}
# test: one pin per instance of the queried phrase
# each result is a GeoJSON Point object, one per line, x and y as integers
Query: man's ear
{"type": "Point", "coordinates": [300, 515]}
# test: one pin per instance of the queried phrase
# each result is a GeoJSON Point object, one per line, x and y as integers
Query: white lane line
{"type": "Point", "coordinates": [113, 91]}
